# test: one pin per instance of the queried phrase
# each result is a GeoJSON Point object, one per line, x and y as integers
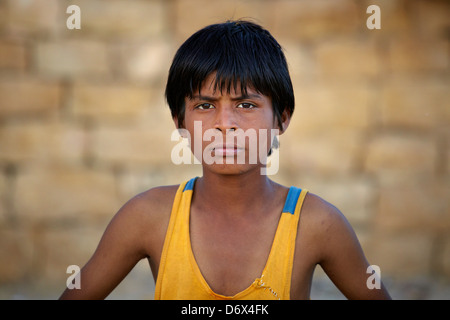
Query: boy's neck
{"type": "Point", "coordinates": [234, 194]}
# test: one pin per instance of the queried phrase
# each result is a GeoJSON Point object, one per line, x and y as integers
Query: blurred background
{"type": "Point", "coordinates": [84, 127]}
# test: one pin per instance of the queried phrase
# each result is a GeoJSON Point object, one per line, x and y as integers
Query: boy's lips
{"type": "Point", "coordinates": [226, 150]}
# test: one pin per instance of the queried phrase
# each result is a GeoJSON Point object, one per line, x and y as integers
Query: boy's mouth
{"type": "Point", "coordinates": [223, 150]}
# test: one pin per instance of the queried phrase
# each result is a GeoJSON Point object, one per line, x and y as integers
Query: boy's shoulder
{"type": "Point", "coordinates": [324, 226]}
{"type": "Point", "coordinates": [149, 210]}
{"type": "Point", "coordinates": [153, 202]}
{"type": "Point", "coordinates": [318, 208]}
{"type": "Point", "coordinates": [320, 217]}
{"type": "Point", "coordinates": [147, 215]}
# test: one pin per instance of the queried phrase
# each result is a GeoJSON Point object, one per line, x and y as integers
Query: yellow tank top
{"type": "Point", "coordinates": [179, 277]}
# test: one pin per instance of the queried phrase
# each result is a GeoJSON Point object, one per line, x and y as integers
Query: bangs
{"type": "Point", "coordinates": [236, 56]}
{"type": "Point", "coordinates": [223, 82]}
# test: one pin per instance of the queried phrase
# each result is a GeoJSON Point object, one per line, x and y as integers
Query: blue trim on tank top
{"type": "Point", "coordinates": [190, 184]}
{"type": "Point", "coordinates": [291, 200]}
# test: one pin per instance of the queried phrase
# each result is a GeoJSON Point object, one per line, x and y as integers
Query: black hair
{"type": "Point", "coordinates": [238, 52]}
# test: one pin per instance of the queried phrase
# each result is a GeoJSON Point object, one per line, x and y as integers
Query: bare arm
{"type": "Point", "coordinates": [133, 234]}
{"type": "Point", "coordinates": [342, 257]}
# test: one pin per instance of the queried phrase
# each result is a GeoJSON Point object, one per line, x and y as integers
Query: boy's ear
{"type": "Point", "coordinates": [285, 120]}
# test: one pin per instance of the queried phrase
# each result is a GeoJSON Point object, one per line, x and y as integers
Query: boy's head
{"type": "Point", "coordinates": [239, 53]}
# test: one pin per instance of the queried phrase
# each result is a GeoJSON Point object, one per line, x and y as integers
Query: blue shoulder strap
{"type": "Point", "coordinates": [291, 200]}
{"type": "Point", "coordinates": [190, 184]}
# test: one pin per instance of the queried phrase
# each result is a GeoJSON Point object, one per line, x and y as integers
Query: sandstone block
{"type": "Point", "coordinates": [444, 263]}
{"type": "Point", "coordinates": [352, 195]}
{"type": "Point", "coordinates": [416, 55]}
{"type": "Point", "coordinates": [3, 199]}
{"type": "Point", "coordinates": [419, 203]}
{"type": "Point", "coordinates": [109, 102]}
{"type": "Point", "coordinates": [447, 160]}
{"type": "Point", "coordinates": [3, 15]}
{"type": "Point", "coordinates": [330, 152]}
{"type": "Point", "coordinates": [301, 62]}
{"type": "Point", "coordinates": [27, 97]}
{"type": "Point", "coordinates": [63, 193]}
{"type": "Point", "coordinates": [321, 106]}
{"type": "Point", "coordinates": [401, 255]}
{"type": "Point", "coordinates": [348, 59]}
{"type": "Point", "coordinates": [33, 17]}
{"type": "Point", "coordinates": [144, 61]}
{"type": "Point", "coordinates": [420, 103]}
{"type": "Point", "coordinates": [12, 56]}
{"type": "Point", "coordinates": [58, 248]}
{"type": "Point", "coordinates": [72, 58]}
{"type": "Point", "coordinates": [119, 20]}
{"type": "Point", "coordinates": [401, 155]}
{"type": "Point", "coordinates": [127, 146]}
{"type": "Point", "coordinates": [431, 18]}
{"type": "Point", "coordinates": [42, 142]}
{"type": "Point", "coordinates": [204, 12]}
{"type": "Point", "coordinates": [314, 20]}
{"type": "Point", "coordinates": [16, 254]}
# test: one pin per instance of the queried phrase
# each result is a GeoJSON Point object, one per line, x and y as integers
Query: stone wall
{"type": "Point", "coordinates": [84, 125]}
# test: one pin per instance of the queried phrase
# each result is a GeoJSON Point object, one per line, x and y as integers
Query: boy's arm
{"type": "Point", "coordinates": [342, 257]}
{"type": "Point", "coordinates": [129, 237]}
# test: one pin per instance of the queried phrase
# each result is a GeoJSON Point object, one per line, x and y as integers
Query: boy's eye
{"type": "Point", "coordinates": [246, 105]}
{"type": "Point", "coordinates": [204, 106]}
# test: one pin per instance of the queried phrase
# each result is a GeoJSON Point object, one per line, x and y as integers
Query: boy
{"type": "Point", "coordinates": [232, 233]}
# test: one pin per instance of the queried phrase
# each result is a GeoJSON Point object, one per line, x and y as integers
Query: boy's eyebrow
{"type": "Point", "coordinates": [236, 98]}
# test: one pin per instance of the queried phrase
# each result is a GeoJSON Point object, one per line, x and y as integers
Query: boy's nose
{"type": "Point", "coordinates": [225, 119]}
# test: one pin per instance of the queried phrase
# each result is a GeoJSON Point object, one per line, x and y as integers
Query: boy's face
{"type": "Point", "coordinates": [231, 133]}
